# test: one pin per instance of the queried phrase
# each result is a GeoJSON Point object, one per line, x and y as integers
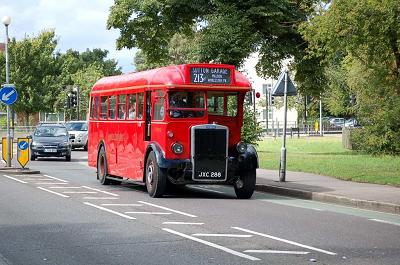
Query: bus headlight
{"type": "Point", "coordinates": [241, 147]}
{"type": "Point", "coordinates": [177, 148]}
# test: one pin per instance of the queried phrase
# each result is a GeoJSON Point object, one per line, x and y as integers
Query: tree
{"type": "Point", "coordinates": [180, 50]}
{"type": "Point", "coordinates": [362, 40]}
{"type": "Point", "coordinates": [84, 79]}
{"type": "Point", "coordinates": [33, 70]}
{"type": "Point", "coordinates": [224, 31]}
{"type": "Point", "coordinates": [83, 70]}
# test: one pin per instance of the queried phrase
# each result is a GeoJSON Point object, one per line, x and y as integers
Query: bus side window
{"type": "Point", "coordinates": [111, 110]}
{"type": "Point", "coordinates": [132, 107]}
{"type": "Point", "coordinates": [159, 108]}
{"type": "Point", "coordinates": [96, 108]}
{"type": "Point", "coordinates": [91, 107]}
{"type": "Point", "coordinates": [121, 107]}
{"type": "Point", "coordinates": [104, 106]}
{"type": "Point", "coordinates": [140, 105]}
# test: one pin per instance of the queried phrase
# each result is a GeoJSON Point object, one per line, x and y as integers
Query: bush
{"type": "Point", "coordinates": [251, 130]}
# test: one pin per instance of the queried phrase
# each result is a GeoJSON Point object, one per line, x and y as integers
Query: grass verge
{"type": "Point", "coordinates": [326, 156]}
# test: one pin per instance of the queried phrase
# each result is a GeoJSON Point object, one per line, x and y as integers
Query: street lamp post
{"type": "Point", "coordinates": [6, 21]}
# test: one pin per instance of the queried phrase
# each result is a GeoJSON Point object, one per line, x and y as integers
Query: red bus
{"type": "Point", "coordinates": [174, 125]}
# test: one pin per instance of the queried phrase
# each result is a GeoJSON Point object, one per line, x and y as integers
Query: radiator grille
{"type": "Point", "coordinates": [209, 152]}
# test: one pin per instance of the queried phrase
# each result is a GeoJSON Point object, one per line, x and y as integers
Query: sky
{"type": "Point", "coordinates": [78, 24]}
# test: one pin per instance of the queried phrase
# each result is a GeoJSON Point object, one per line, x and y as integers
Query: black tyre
{"type": "Point", "coordinates": [85, 147]}
{"type": "Point", "coordinates": [33, 157]}
{"type": "Point", "coordinates": [156, 180]}
{"type": "Point", "coordinates": [248, 184]}
{"type": "Point", "coordinates": [68, 157]}
{"type": "Point", "coordinates": [102, 172]}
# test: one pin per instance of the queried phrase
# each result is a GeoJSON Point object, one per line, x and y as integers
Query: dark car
{"type": "Point", "coordinates": [51, 140]}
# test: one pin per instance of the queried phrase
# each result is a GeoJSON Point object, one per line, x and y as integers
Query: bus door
{"type": "Point", "coordinates": [147, 135]}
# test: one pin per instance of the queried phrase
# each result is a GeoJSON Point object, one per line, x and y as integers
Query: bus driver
{"type": "Point", "coordinates": [177, 100]}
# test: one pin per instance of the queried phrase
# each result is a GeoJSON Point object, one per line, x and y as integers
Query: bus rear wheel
{"type": "Point", "coordinates": [156, 180]}
{"type": "Point", "coordinates": [102, 167]}
{"type": "Point", "coordinates": [246, 184]}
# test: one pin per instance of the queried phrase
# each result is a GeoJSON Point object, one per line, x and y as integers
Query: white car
{"type": "Point", "coordinates": [79, 129]}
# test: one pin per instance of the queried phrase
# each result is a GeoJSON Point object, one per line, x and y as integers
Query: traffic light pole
{"type": "Point", "coordinates": [77, 103]}
{"type": "Point", "coordinates": [266, 110]}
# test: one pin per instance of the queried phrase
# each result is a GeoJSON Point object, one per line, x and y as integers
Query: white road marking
{"type": "Point", "coordinates": [15, 179]}
{"type": "Point", "coordinates": [65, 187]}
{"type": "Point", "coordinates": [198, 188]}
{"type": "Point", "coordinates": [168, 209]}
{"type": "Point", "coordinates": [56, 193]}
{"type": "Point", "coordinates": [55, 178]}
{"type": "Point", "coordinates": [276, 252]}
{"type": "Point", "coordinates": [285, 240]}
{"type": "Point", "coordinates": [35, 179]}
{"type": "Point", "coordinates": [51, 183]}
{"type": "Point", "coordinates": [385, 222]}
{"type": "Point", "coordinates": [100, 198]}
{"type": "Point", "coordinates": [121, 204]}
{"type": "Point", "coordinates": [181, 223]}
{"type": "Point", "coordinates": [80, 192]}
{"type": "Point", "coordinates": [102, 191]}
{"type": "Point", "coordinates": [228, 250]}
{"type": "Point", "coordinates": [151, 213]}
{"type": "Point", "coordinates": [110, 211]}
{"type": "Point", "coordinates": [222, 235]}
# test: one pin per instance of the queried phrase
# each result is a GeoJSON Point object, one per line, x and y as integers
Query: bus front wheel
{"type": "Point", "coordinates": [156, 180]}
{"type": "Point", "coordinates": [102, 167]}
{"type": "Point", "coordinates": [245, 186]}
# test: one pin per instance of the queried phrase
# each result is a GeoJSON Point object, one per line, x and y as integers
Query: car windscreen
{"type": "Point", "coordinates": [50, 132]}
{"type": "Point", "coordinates": [77, 126]}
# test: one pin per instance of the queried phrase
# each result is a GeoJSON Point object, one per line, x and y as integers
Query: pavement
{"type": "Point", "coordinates": [310, 186]}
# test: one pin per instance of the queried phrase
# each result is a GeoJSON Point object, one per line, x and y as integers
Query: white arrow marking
{"type": "Point", "coordinates": [6, 97]}
{"type": "Point", "coordinates": [23, 145]}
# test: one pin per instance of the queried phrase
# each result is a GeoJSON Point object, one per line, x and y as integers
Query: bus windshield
{"type": "Point", "coordinates": [185, 104]}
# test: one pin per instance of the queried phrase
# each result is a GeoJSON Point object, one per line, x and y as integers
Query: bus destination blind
{"type": "Point", "coordinates": [210, 75]}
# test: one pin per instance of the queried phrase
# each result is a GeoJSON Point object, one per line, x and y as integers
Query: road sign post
{"type": "Point", "coordinates": [23, 151]}
{"type": "Point", "coordinates": [284, 87]}
{"type": "Point", "coordinates": [8, 95]}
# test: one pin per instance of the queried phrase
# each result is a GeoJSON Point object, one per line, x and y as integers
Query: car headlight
{"type": "Point", "coordinates": [65, 144]}
{"type": "Point", "coordinates": [35, 144]}
{"type": "Point", "coordinates": [241, 147]}
{"type": "Point", "coordinates": [177, 148]}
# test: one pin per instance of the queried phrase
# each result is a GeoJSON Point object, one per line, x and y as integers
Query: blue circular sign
{"type": "Point", "coordinates": [23, 145]}
{"type": "Point", "coordinates": [8, 94]}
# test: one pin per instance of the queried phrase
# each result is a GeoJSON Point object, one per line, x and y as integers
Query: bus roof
{"type": "Point", "coordinates": [189, 76]}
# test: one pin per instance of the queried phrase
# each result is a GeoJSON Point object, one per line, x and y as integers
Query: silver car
{"type": "Point", "coordinates": [79, 129]}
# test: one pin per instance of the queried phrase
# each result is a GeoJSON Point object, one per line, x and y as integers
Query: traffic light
{"type": "Point", "coordinates": [352, 100]}
{"type": "Point", "coordinates": [73, 98]}
{"type": "Point", "coordinates": [272, 100]}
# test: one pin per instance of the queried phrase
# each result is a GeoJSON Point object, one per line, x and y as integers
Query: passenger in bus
{"type": "Point", "coordinates": [132, 113]}
{"type": "Point", "coordinates": [121, 113]}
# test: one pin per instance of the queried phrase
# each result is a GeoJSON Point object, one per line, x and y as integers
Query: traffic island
{"type": "Point", "coordinates": [18, 171]}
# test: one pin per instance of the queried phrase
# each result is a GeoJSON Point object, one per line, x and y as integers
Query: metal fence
{"type": "Point", "coordinates": [292, 128]}
{"type": "Point", "coordinates": [17, 131]}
